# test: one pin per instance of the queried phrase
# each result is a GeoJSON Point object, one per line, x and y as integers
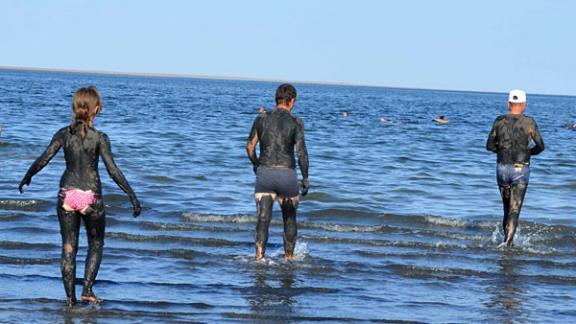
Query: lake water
{"type": "Point", "coordinates": [402, 221]}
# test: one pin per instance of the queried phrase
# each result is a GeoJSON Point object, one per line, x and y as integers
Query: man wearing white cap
{"type": "Point", "coordinates": [510, 138]}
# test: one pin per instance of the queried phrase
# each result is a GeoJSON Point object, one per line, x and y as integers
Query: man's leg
{"type": "Point", "coordinates": [289, 207]}
{"type": "Point", "coordinates": [264, 205]}
{"type": "Point", "coordinates": [517, 193]}
{"type": "Point", "coordinates": [505, 194]}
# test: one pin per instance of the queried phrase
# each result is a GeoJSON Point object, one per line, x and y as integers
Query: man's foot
{"type": "Point", "coordinates": [92, 299]}
{"type": "Point", "coordinates": [70, 302]}
{"type": "Point", "coordinates": [259, 252]}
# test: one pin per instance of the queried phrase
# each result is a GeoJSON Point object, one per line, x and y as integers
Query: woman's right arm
{"type": "Point", "coordinates": [116, 174]}
{"type": "Point", "coordinates": [43, 160]}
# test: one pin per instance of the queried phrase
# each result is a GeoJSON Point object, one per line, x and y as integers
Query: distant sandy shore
{"type": "Point", "coordinates": [232, 78]}
{"type": "Point", "coordinates": [177, 75]}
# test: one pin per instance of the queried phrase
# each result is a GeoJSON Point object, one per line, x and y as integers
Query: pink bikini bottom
{"type": "Point", "coordinates": [77, 199]}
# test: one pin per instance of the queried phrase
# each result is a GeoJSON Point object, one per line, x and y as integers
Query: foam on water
{"type": "Point", "coordinates": [208, 218]}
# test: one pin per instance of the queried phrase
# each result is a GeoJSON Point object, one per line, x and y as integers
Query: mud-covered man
{"type": "Point", "coordinates": [511, 138]}
{"type": "Point", "coordinates": [279, 133]}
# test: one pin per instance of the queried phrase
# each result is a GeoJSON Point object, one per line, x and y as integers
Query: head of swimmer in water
{"type": "Point", "coordinates": [285, 96]}
{"type": "Point", "coordinates": [86, 104]}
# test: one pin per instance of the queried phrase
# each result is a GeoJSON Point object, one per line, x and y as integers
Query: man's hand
{"type": "Point", "coordinates": [305, 187]}
{"type": "Point", "coordinates": [24, 182]}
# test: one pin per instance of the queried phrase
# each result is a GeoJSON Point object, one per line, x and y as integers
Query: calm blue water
{"type": "Point", "coordinates": [402, 222]}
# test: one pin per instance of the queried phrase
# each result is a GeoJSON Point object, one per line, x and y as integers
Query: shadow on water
{"type": "Point", "coordinates": [506, 291]}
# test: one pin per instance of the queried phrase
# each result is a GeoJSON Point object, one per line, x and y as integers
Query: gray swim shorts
{"type": "Point", "coordinates": [281, 181]}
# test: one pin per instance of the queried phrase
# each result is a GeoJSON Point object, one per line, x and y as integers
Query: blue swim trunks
{"type": "Point", "coordinates": [512, 174]}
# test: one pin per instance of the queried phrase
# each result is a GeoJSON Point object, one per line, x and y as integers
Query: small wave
{"type": "Point", "coordinates": [443, 221]}
{"type": "Point", "coordinates": [321, 197]}
{"type": "Point", "coordinates": [171, 238]}
{"type": "Point", "coordinates": [11, 245]}
{"type": "Point", "coordinates": [8, 218]}
{"type": "Point", "coordinates": [23, 204]}
{"type": "Point", "coordinates": [159, 178]}
{"type": "Point", "coordinates": [27, 261]}
{"type": "Point", "coordinates": [210, 218]}
{"type": "Point", "coordinates": [346, 228]}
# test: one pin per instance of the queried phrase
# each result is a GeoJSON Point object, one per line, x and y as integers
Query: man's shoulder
{"type": "Point", "coordinates": [260, 117]}
{"type": "Point", "coordinates": [500, 118]}
{"type": "Point", "coordinates": [530, 118]}
{"type": "Point", "coordinates": [297, 120]}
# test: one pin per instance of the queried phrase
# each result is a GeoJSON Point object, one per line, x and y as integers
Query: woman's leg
{"type": "Point", "coordinates": [69, 229]}
{"type": "Point", "coordinates": [95, 222]}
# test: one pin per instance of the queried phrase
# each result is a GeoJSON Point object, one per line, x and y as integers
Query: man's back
{"type": "Point", "coordinates": [511, 136]}
{"type": "Point", "coordinates": [278, 131]}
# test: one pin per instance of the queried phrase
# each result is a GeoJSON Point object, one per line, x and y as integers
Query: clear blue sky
{"type": "Point", "coordinates": [481, 45]}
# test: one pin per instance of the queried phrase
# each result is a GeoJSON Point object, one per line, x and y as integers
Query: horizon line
{"type": "Point", "coordinates": [236, 78]}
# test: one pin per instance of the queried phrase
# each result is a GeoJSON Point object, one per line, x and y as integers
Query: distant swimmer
{"type": "Point", "coordinates": [80, 193]}
{"type": "Point", "coordinates": [279, 133]}
{"type": "Point", "coordinates": [346, 114]}
{"type": "Point", "coordinates": [440, 120]}
{"type": "Point", "coordinates": [261, 110]}
{"type": "Point", "coordinates": [510, 138]}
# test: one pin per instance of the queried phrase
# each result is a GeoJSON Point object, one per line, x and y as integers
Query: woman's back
{"type": "Point", "coordinates": [82, 155]}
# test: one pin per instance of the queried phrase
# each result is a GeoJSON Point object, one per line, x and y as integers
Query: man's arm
{"type": "Point", "coordinates": [251, 144]}
{"type": "Point", "coordinates": [539, 147]}
{"type": "Point", "coordinates": [302, 156]}
{"type": "Point", "coordinates": [492, 144]}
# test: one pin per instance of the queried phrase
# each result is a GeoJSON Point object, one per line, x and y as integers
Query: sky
{"type": "Point", "coordinates": [484, 45]}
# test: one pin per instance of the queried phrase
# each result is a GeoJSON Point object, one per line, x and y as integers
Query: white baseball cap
{"type": "Point", "coordinates": [517, 96]}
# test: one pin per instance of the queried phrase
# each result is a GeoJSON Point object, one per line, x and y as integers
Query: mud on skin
{"type": "Point", "coordinates": [278, 132]}
{"type": "Point", "coordinates": [510, 138]}
{"type": "Point", "coordinates": [82, 156]}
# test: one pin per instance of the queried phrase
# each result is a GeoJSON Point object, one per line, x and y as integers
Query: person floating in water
{"type": "Point", "coordinates": [440, 120]}
{"type": "Point", "coordinates": [278, 132]}
{"type": "Point", "coordinates": [261, 110]}
{"type": "Point", "coordinates": [346, 114]}
{"type": "Point", "coordinates": [510, 138]}
{"type": "Point", "coordinates": [80, 189]}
